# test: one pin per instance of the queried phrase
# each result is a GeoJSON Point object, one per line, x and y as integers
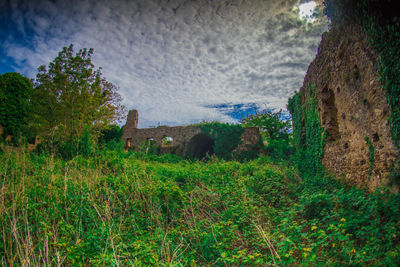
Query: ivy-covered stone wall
{"type": "Point", "coordinates": [354, 81]}
{"type": "Point", "coordinates": [230, 141]}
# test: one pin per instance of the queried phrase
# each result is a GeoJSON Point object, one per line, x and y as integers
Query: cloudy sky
{"type": "Point", "coordinates": [177, 62]}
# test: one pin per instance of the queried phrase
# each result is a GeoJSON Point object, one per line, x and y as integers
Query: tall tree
{"type": "Point", "coordinates": [15, 92]}
{"type": "Point", "coordinates": [71, 94]}
{"type": "Point", "coordinates": [272, 125]}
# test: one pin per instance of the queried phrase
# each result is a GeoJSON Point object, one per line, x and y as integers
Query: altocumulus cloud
{"type": "Point", "coordinates": [177, 62]}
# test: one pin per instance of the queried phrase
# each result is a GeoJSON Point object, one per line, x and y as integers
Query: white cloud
{"type": "Point", "coordinates": [172, 59]}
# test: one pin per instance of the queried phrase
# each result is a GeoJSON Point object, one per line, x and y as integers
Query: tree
{"type": "Point", "coordinates": [15, 93]}
{"type": "Point", "coordinates": [272, 125]}
{"type": "Point", "coordinates": [112, 134]}
{"type": "Point", "coordinates": [71, 95]}
{"type": "Point", "coordinates": [275, 129]}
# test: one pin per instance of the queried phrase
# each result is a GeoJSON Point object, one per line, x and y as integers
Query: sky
{"type": "Point", "coordinates": [176, 62]}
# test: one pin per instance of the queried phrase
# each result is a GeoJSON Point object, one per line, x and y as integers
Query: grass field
{"type": "Point", "coordinates": [124, 208]}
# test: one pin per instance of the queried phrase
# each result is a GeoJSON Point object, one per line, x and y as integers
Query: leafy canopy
{"type": "Point", "coordinates": [15, 92]}
{"type": "Point", "coordinates": [71, 94]}
{"type": "Point", "coordinates": [272, 125]}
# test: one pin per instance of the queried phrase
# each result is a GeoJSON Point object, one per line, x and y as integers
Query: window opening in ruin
{"type": "Point", "coordinates": [167, 141]}
{"type": "Point", "coordinates": [199, 146]}
{"type": "Point", "coordinates": [329, 115]}
{"type": "Point", "coordinates": [149, 143]}
{"type": "Point", "coordinates": [129, 142]}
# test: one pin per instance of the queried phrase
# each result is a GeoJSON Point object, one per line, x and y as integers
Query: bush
{"type": "Point", "coordinates": [84, 145]}
{"type": "Point", "coordinates": [317, 205]}
{"type": "Point", "coordinates": [112, 134]}
{"type": "Point", "coordinates": [226, 137]}
{"type": "Point", "coordinates": [280, 149]}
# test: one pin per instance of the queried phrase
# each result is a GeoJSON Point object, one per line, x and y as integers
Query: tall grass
{"type": "Point", "coordinates": [118, 208]}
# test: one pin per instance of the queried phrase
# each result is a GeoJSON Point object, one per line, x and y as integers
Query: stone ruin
{"type": "Point", "coordinates": [352, 108]}
{"type": "Point", "coordinates": [181, 140]}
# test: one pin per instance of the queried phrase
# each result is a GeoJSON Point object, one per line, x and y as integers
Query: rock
{"type": "Point", "coordinates": [352, 106]}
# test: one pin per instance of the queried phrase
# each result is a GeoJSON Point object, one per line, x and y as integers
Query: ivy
{"type": "Point", "coordinates": [385, 40]}
{"type": "Point", "coordinates": [308, 133]}
{"type": "Point", "coordinates": [294, 107]}
{"type": "Point", "coordinates": [381, 23]}
{"type": "Point", "coordinates": [226, 137]}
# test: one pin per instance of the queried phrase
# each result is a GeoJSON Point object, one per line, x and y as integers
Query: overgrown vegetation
{"type": "Point", "coordinates": [272, 125]}
{"type": "Point", "coordinates": [308, 134]}
{"type": "Point", "coordinates": [71, 97]}
{"type": "Point", "coordinates": [226, 137]}
{"type": "Point", "coordinates": [124, 208]}
{"type": "Point", "coordinates": [80, 199]}
{"type": "Point", "coordinates": [381, 22]}
{"type": "Point", "coordinates": [15, 92]}
{"type": "Point", "coordinates": [275, 129]}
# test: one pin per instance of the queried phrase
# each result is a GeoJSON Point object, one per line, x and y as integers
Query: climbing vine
{"type": "Point", "coordinates": [226, 137]}
{"type": "Point", "coordinates": [381, 23]}
{"type": "Point", "coordinates": [386, 41]}
{"type": "Point", "coordinates": [308, 133]}
{"type": "Point", "coordinates": [295, 108]}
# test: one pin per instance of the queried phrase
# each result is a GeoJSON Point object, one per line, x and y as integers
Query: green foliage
{"type": "Point", "coordinates": [381, 22]}
{"type": "Point", "coordinates": [275, 130]}
{"type": "Point", "coordinates": [358, 11]}
{"type": "Point", "coordinates": [150, 147]}
{"type": "Point", "coordinates": [315, 139]}
{"type": "Point", "coordinates": [272, 125]}
{"type": "Point", "coordinates": [249, 154]}
{"type": "Point", "coordinates": [384, 36]}
{"type": "Point", "coordinates": [131, 208]}
{"type": "Point", "coordinates": [308, 134]}
{"type": "Point", "coordinates": [317, 205]}
{"type": "Point", "coordinates": [70, 95]}
{"type": "Point", "coordinates": [226, 137]}
{"type": "Point", "coordinates": [280, 149]}
{"type": "Point", "coordinates": [15, 93]}
{"type": "Point", "coordinates": [112, 133]}
{"type": "Point", "coordinates": [83, 145]}
{"type": "Point", "coordinates": [296, 110]}
{"type": "Point", "coordinates": [371, 155]}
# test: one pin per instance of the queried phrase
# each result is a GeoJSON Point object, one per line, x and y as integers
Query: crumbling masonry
{"type": "Point", "coordinates": [180, 140]}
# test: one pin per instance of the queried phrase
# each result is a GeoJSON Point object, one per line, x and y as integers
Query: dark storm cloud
{"type": "Point", "coordinates": [173, 59]}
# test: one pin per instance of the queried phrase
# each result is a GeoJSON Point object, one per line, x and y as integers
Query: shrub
{"type": "Point", "coordinates": [226, 137]}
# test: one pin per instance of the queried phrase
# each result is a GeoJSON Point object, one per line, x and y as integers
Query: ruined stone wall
{"type": "Point", "coordinates": [352, 107]}
{"type": "Point", "coordinates": [181, 136]}
{"type": "Point", "coordinates": [250, 138]}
